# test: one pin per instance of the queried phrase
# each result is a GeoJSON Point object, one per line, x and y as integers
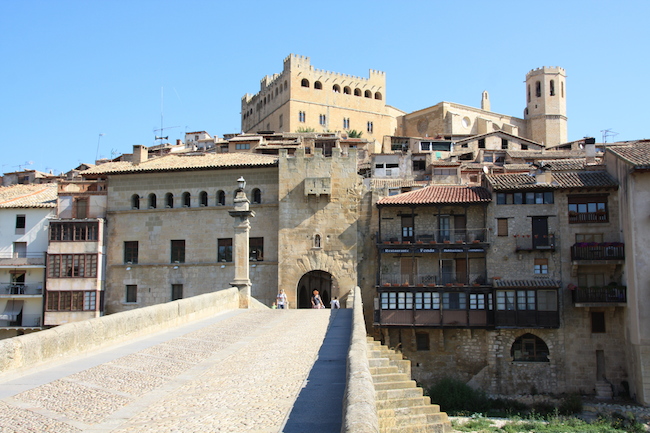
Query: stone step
{"type": "Point", "coordinates": [379, 362]}
{"type": "Point", "coordinates": [409, 410]}
{"type": "Point", "coordinates": [391, 394]}
{"type": "Point", "coordinates": [404, 402]}
{"type": "Point", "coordinates": [390, 377]}
{"type": "Point", "coordinates": [426, 428]}
{"type": "Point", "coordinates": [417, 419]}
{"type": "Point", "coordinates": [405, 384]}
{"type": "Point", "coordinates": [383, 370]}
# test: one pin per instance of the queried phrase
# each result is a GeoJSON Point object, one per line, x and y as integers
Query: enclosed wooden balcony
{"type": "Point", "coordinates": [606, 296]}
{"type": "Point", "coordinates": [598, 251]}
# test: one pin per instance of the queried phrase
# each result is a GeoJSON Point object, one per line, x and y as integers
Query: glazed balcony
{"type": "Point", "coordinates": [447, 279]}
{"type": "Point", "coordinates": [466, 236]}
{"type": "Point", "coordinates": [598, 251]}
{"type": "Point", "coordinates": [608, 296]}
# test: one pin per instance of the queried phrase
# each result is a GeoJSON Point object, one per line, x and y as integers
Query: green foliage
{"type": "Point", "coordinates": [571, 404]}
{"type": "Point", "coordinates": [305, 129]}
{"type": "Point", "coordinates": [455, 396]}
{"type": "Point", "coordinates": [354, 133]}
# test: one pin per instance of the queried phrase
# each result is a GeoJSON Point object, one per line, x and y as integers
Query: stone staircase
{"type": "Point", "coordinates": [603, 390]}
{"type": "Point", "coordinates": [401, 404]}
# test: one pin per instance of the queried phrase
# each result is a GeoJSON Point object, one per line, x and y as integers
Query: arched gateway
{"type": "Point", "coordinates": [322, 281]}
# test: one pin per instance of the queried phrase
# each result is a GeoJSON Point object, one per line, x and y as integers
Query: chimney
{"type": "Point", "coordinates": [543, 175]}
{"type": "Point", "coordinates": [178, 142]}
{"type": "Point", "coordinates": [590, 150]}
{"type": "Point", "coordinates": [140, 154]}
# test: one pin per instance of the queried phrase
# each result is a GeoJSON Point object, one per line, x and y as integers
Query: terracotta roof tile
{"type": "Point", "coordinates": [436, 194]}
{"type": "Point", "coordinates": [186, 162]}
{"type": "Point", "coordinates": [397, 183]}
{"type": "Point", "coordinates": [636, 154]}
{"type": "Point", "coordinates": [583, 179]}
{"type": "Point", "coordinates": [26, 196]}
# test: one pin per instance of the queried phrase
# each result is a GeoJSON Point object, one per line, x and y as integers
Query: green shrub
{"type": "Point", "coordinates": [456, 397]}
{"type": "Point", "coordinates": [571, 404]}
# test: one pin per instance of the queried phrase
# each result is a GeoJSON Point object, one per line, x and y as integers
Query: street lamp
{"type": "Point", "coordinates": [241, 182]}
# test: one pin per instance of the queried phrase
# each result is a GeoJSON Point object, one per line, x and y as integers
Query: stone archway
{"type": "Point", "coordinates": [322, 281]}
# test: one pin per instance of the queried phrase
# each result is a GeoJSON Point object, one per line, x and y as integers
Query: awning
{"type": "Point", "coordinates": [12, 310]}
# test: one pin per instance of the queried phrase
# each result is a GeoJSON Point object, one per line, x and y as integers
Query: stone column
{"type": "Point", "coordinates": [241, 214]}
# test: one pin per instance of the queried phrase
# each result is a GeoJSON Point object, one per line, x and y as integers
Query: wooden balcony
{"type": "Point", "coordinates": [466, 236]}
{"type": "Point", "coordinates": [607, 296]}
{"type": "Point", "coordinates": [598, 251]}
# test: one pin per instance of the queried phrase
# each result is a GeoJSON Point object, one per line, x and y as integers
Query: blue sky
{"type": "Point", "coordinates": [72, 69]}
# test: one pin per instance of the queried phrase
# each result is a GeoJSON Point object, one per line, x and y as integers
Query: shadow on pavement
{"type": "Point", "coordinates": [319, 406]}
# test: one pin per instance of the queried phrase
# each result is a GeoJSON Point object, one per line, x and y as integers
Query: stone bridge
{"type": "Point", "coordinates": [203, 365]}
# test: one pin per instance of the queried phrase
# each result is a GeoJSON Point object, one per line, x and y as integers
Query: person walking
{"type": "Point", "coordinates": [316, 301]}
{"type": "Point", "coordinates": [281, 299]}
{"type": "Point", "coordinates": [334, 304]}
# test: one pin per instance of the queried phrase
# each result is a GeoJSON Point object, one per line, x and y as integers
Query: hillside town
{"type": "Point", "coordinates": [487, 247]}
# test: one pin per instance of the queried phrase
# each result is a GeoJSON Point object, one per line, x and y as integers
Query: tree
{"type": "Point", "coordinates": [354, 133]}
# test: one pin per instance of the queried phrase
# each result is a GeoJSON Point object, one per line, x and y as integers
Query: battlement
{"type": "Point", "coordinates": [296, 60]}
{"type": "Point", "coordinates": [546, 70]}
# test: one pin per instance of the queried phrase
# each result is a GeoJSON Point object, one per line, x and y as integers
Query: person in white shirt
{"type": "Point", "coordinates": [281, 299]}
{"type": "Point", "coordinates": [334, 304]}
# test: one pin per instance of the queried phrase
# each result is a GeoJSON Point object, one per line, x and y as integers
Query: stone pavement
{"type": "Point", "coordinates": [241, 371]}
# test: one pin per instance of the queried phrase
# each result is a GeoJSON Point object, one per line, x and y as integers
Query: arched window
{"type": "Point", "coordinates": [203, 198]}
{"type": "Point", "coordinates": [336, 88]}
{"type": "Point", "coordinates": [257, 196]}
{"type": "Point", "coordinates": [357, 92]}
{"type": "Point", "coordinates": [552, 88]}
{"type": "Point", "coordinates": [276, 91]}
{"type": "Point", "coordinates": [347, 90]}
{"type": "Point", "coordinates": [378, 96]}
{"type": "Point", "coordinates": [318, 85]}
{"type": "Point", "coordinates": [285, 85]}
{"type": "Point", "coordinates": [221, 198]}
{"type": "Point", "coordinates": [529, 93]}
{"type": "Point", "coordinates": [187, 199]}
{"type": "Point", "coordinates": [135, 201]}
{"type": "Point", "coordinates": [317, 241]}
{"type": "Point", "coordinates": [538, 89]}
{"type": "Point", "coordinates": [169, 200]}
{"type": "Point", "coordinates": [152, 201]}
{"type": "Point", "coordinates": [304, 82]}
{"type": "Point", "coordinates": [367, 94]}
{"type": "Point", "coordinates": [529, 348]}
{"type": "Point", "coordinates": [562, 88]}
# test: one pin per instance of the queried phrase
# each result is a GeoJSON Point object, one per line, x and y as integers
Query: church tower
{"type": "Point", "coordinates": [545, 112]}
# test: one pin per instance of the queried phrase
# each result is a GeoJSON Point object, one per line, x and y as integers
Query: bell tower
{"type": "Point", "coordinates": [545, 112]}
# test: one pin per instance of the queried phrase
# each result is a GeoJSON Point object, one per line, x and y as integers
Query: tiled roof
{"type": "Point", "coordinates": [186, 162]}
{"type": "Point", "coordinates": [637, 154]}
{"type": "Point", "coordinates": [436, 194]}
{"type": "Point", "coordinates": [564, 164]}
{"type": "Point", "coordinates": [583, 179]}
{"type": "Point", "coordinates": [537, 283]}
{"type": "Point", "coordinates": [442, 163]}
{"type": "Point", "coordinates": [397, 183]}
{"type": "Point", "coordinates": [544, 154]}
{"type": "Point", "coordinates": [516, 167]}
{"type": "Point", "coordinates": [26, 196]}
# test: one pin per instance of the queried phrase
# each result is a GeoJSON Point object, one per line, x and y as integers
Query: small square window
{"type": "Point", "coordinates": [598, 322]}
{"type": "Point", "coordinates": [422, 341]}
{"type": "Point", "coordinates": [131, 293]}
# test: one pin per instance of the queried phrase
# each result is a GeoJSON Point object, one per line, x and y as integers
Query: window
{"type": "Point", "coordinates": [425, 146]}
{"type": "Point", "coordinates": [538, 89]}
{"type": "Point", "coordinates": [131, 293]}
{"type": "Point", "coordinates": [203, 198]}
{"type": "Point", "coordinates": [541, 266]}
{"type": "Point", "coordinates": [221, 198]}
{"type": "Point", "coordinates": [598, 322]}
{"type": "Point", "coordinates": [301, 116]}
{"type": "Point", "coordinates": [152, 201]}
{"type": "Point", "coordinates": [477, 301]}
{"type": "Point", "coordinates": [346, 123]}
{"type": "Point", "coordinates": [419, 165]}
{"type": "Point", "coordinates": [525, 300]}
{"type": "Point", "coordinates": [304, 82]}
{"type": "Point", "coordinates": [357, 92]}
{"type": "Point", "coordinates": [280, 121]}
{"type": "Point", "coordinates": [135, 201]}
{"type": "Point", "coordinates": [224, 250]}
{"type": "Point", "coordinates": [378, 96]}
{"type": "Point", "coordinates": [588, 209]}
{"type": "Point", "coordinates": [336, 88]}
{"type": "Point", "coordinates": [318, 85]}
{"type": "Point", "coordinates": [20, 224]}
{"type": "Point", "coordinates": [242, 146]}
{"type": "Point", "coordinates": [169, 200]}
{"type": "Point", "coordinates": [257, 196]}
{"type": "Point", "coordinates": [347, 90]}
{"type": "Point", "coordinates": [256, 249]}
{"type": "Point", "coordinates": [591, 280]}
{"type": "Point", "coordinates": [177, 291]}
{"type": "Point", "coordinates": [502, 226]}
{"type": "Point", "coordinates": [529, 348]}
{"type": "Point", "coordinates": [322, 119]}
{"type": "Point", "coordinates": [481, 143]}
{"type": "Point", "coordinates": [407, 228]}
{"type": "Point", "coordinates": [444, 172]}
{"type": "Point", "coordinates": [73, 231]}
{"type": "Point", "coordinates": [370, 127]}
{"type": "Point", "coordinates": [131, 252]}
{"type": "Point", "coordinates": [488, 157]}
{"type": "Point", "coordinates": [454, 301]}
{"type": "Point", "coordinates": [178, 251]}
{"type": "Point", "coordinates": [72, 265]}
{"type": "Point", "coordinates": [367, 94]}
{"type": "Point", "coordinates": [187, 199]}
{"type": "Point", "coordinates": [528, 93]}
{"type": "Point", "coordinates": [422, 341]}
{"type": "Point", "coordinates": [504, 143]}
{"type": "Point", "coordinates": [547, 300]}
{"type": "Point", "coordinates": [506, 300]}
{"type": "Point", "coordinates": [20, 250]}
{"type": "Point", "coordinates": [71, 301]}
{"type": "Point", "coordinates": [81, 208]}
{"type": "Point", "coordinates": [524, 147]}
{"type": "Point", "coordinates": [317, 241]}
{"type": "Point", "coordinates": [525, 198]}
{"type": "Point", "coordinates": [427, 301]}
{"type": "Point", "coordinates": [552, 88]}
{"type": "Point", "coordinates": [589, 237]}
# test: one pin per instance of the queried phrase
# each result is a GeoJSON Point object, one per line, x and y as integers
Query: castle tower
{"type": "Point", "coordinates": [545, 112]}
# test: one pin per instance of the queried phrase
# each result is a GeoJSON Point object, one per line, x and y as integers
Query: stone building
{"type": "Point", "coordinates": [24, 216]}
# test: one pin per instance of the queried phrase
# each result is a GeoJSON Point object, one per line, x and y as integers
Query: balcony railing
{"type": "Point", "coordinates": [600, 295]}
{"type": "Point", "coordinates": [441, 236]}
{"type": "Point", "coordinates": [598, 251]}
{"type": "Point", "coordinates": [28, 321]}
{"type": "Point", "coordinates": [535, 242]}
{"type": "Point", "coordinates": [588, 217]}
{"type": "Point", "coordinates": [21, 289]}
{"type": "Point", "coordinates": [22, 258]}
{"type": "Point", "coordinates": [441, 279]}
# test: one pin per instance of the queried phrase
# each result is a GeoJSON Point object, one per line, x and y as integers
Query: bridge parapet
{"type": "Point", "coordinates": [18, 354]}
{"type": "Point", "coordinates": [359, 406]}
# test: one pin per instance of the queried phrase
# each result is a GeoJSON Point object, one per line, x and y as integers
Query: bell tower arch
{"type": "Point", "coordinates": [545, 112]}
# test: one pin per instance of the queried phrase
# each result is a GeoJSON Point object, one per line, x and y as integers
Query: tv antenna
{"type": "Point", "coordinates": [160, 131]}
{"type": "Point", "coordinates": [608, 133]}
